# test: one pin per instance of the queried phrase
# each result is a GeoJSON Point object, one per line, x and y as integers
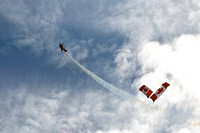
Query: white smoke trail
{"type": "Point", "coordinates": [105, 84]}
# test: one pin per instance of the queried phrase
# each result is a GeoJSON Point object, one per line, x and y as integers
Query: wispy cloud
{"type": "Point", "coordinates": [90, 111]}
{"type": "Point", "coordinates": [144, 21]}
{"type": "Point", "coordinates": [161, 44]}
{"type": "Point", "coordinates": [42, 25]}
{"type": "Point", "coordinates": [35, 23]}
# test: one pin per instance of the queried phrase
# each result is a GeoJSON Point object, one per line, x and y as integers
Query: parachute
{"type": "Point", "coordinates": [157, 94]}
{"type": "Point", "coordinates": [146, 91]}
{"type": "Point", "coordinates": [160, 91]}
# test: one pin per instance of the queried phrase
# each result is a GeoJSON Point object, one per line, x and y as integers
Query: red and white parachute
{"type": "Point", "coordinates": [159, 92]}
{"type": "Point", "coordinates": [146, 91]}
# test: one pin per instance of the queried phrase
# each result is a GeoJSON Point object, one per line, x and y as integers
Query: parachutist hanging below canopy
{"type": "Point", "coordinates": [61, 46]}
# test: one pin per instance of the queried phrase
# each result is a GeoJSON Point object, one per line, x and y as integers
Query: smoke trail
{"type": "Point", "coordinates": [105, 84]}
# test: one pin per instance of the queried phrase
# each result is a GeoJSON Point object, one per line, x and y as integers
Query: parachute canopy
{"type": "Point", "coordinates": [159, 91]}
{"type": "Point", "coordinates": [144, 89]}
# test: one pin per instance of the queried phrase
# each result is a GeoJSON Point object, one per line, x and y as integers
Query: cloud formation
{"type": "Point", "coordinates": [144, 21]}
{"type": "Point", "coordinates": [176, 63]}
{"type": "Point", "coordinates": [36, 22]}
{"type": "Point", "coordinates": [163, 46]}
{"type": "Point", "coordinates": [92, 111]}
{"type": "Point", "coordinates": [160, 42]}
{"type": "Point", "coordinates": [41, 25]}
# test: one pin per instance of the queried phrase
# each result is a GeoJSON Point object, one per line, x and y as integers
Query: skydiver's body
{"type": "Point", "coordinates": [62, 48]}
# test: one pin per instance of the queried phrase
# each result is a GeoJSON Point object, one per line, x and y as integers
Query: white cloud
{"type": "Point", "coordinates": [145, 21]}
{"type": "Point", "coordinates": [155, 52]}
{"type": "Point", "coordinates": [172, 57]}
{"type": "Point", "coordinates": [163, 46]}
{"type": "Point", "coordinates": [91, 111]}
{"type": "Point", "coordinates": [124, 60]}
{"type": "Point", "coordinates": [36, 23]}
{"type": "Point", "coordinates": [41, 25]}
{"type": "Point", "coordinates": [176, 63]}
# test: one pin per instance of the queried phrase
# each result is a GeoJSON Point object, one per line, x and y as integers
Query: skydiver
{"type": "Point", "coordinates": [61, 46]}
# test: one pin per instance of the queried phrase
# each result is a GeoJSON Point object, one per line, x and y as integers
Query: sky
{"type": "Point", "coordinates": [127, 43]}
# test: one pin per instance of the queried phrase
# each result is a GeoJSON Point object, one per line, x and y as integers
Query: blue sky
{"type": "Point", "coordinates": [127, 43]}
